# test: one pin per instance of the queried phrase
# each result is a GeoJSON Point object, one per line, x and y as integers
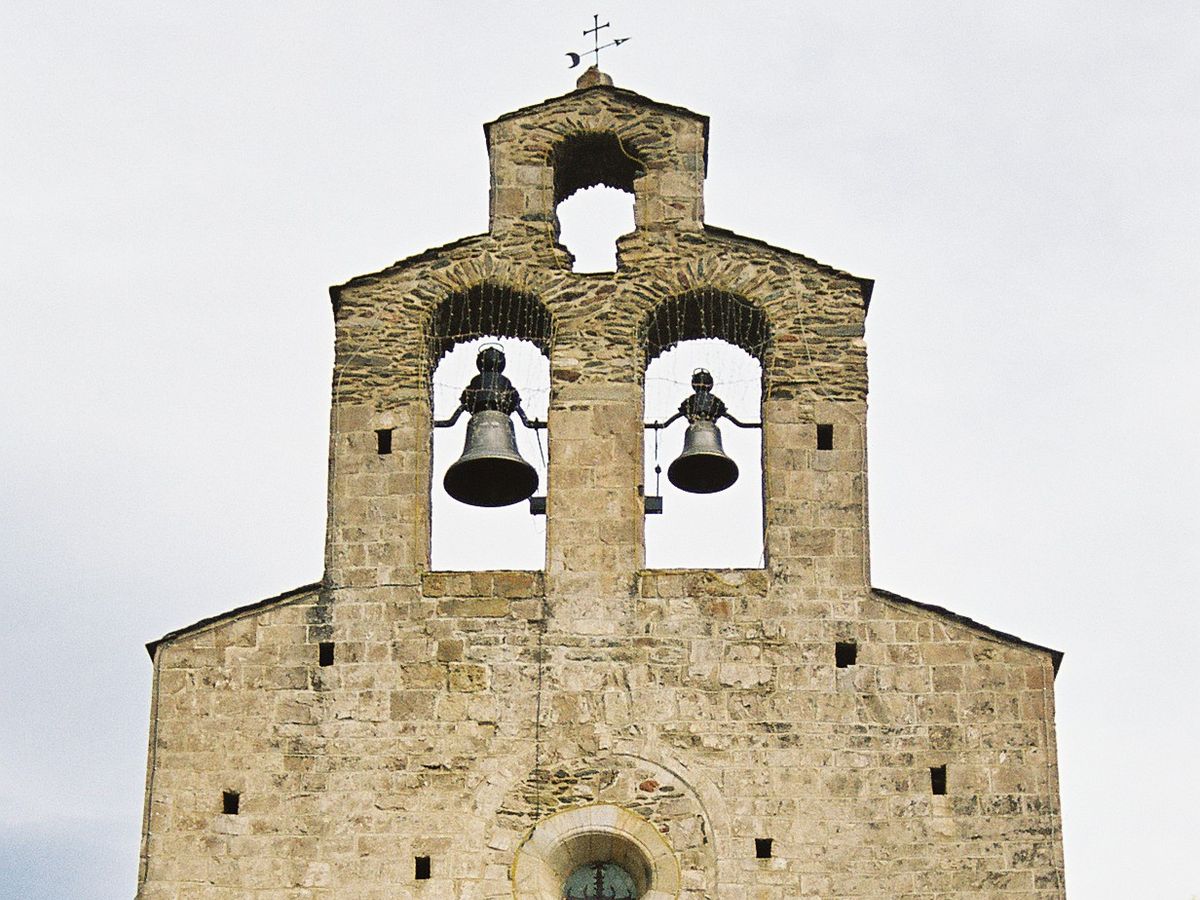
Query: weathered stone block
{"type": "Point", "coordinates": [487, 607]}
{"type": "Point", "coordinates": [468, 677]}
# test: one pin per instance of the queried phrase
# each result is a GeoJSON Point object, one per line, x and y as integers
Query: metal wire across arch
{"type": "Point", "coordinates": [488, 309]}
{"type": "Point", "coordinates": [707, 313]}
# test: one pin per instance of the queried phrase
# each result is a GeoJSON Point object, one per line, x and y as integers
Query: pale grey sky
{"type": "Point", "coordinates": [180, 185]}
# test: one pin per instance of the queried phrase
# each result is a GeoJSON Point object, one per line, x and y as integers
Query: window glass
{"type": "Point", "coordinates": [600, 881]}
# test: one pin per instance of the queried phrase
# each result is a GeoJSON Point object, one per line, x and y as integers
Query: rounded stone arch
{"type": "Point", "coordinates": [492, 802]}
{"type": "Point", "coordinates": [583, 159]}
{"type": "Point", "coordinates": [459, 321]}
{"type": "Point", "coordinates": [487, 309]}
{"type": "Point", "coordinates": [661, 147]}
{"type": "Point", "coordinates": [711, 803]}
{"type": "Point", "coordinates": [631, 142]}
{"type": "Point", "coordinates": [602, 167]}
{"type": "Point", "coordinates": [707, 312]}
{"type": "Point", "coordinates": [646, 794]}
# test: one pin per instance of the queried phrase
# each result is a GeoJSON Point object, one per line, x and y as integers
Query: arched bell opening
{"type": "Point", "coordinates": [594, 197]}
{"type": "Point", "coordinates": [704, 469]}
{"type": "Point", "coordinates": [490, 381]}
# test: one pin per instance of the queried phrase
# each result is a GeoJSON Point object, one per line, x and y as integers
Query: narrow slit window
{"type": "Point", "coordinates": [230, 801]}
{"type": "Point", "coordinates": [383, 441]}
{"type": "Point", "coordinates": [762, 848]}
{"type": "Point", "coordinates": [325, 653]}
{"type": "Point", "coordinates": [421, 868]}
{"type": "Point", "coordinates": [937, 779]}
{"type": "Point", "coordinates": [845, 654]}
{"type": "Point", "coordinates": [824, 437]}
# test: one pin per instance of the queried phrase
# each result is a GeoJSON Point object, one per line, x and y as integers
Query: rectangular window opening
{"type": "Point", "coordinates": [845, 654]}
{"type": "Point", "coordinates": [824, 437]}
{"type": "Point", "coordinates": [325, 653]}
{"type": "Point", "coordinates": [937, 779]}
{"type": "Point", "coordinates": [383, 440]}
{"type": "Point", "coordinates": [230, 800]}
{"type": "Point", "coordinates": [762, 848]}
{"type": "Point", "coordinates": [421, 868]}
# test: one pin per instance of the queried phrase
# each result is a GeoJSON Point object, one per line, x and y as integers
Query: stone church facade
{"type": "Point", "coordinates": [769, 733]}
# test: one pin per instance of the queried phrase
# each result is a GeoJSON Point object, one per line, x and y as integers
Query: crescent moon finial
{"type": "Point", "coordinates": [574, 60]}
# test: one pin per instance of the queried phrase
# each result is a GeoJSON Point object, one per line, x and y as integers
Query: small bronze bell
{"type": "Point", "coordinates": [702, 467]}
{"type": "Point", "coordinates": [490, 472]}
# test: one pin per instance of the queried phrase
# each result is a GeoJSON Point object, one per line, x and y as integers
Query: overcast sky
{"type": "Point", "coordinates": [181, 183]}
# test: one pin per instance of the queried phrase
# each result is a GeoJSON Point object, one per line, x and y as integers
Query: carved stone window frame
{"type": "Point", "coordinates": [601, 832]}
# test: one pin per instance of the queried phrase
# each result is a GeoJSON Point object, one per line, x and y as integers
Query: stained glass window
{"type": "Point", "coordinates": [600, 881]}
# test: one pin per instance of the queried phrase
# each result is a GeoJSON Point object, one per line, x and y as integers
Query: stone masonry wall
{"type": "Point", "coordinates": [461, 711]}
{"type": "Point", "coordinates": [815, 371]}
{"type": "Point", "coordinates": [721, 717]}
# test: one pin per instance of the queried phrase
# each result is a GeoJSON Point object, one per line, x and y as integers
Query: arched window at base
{"type": "Point", "coordinates": [563, 850]}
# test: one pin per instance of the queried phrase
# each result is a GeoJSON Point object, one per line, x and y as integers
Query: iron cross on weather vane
{"type": "Point", "coordinates": [595, 51]}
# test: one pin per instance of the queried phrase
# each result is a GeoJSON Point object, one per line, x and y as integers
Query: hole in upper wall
{"type": "Point", "coordinates": [762, 848]}
{"type": "Point", "coordinates": [383, 441]}
{"type": "Point", "coordinates": [937, 779]}
{"type": "Point", "coordinates": [325, 653]}
{"type": "Point", "coordinates": [845, 654]}
{"type": "Point", "coordinates": [590, 222]}
{"type": "Point", "coordinates": [230, 802]}
{"type": "Point", "coordinates": [824, 437]}
{"type": "Point", "coordinates": [589, 158]}
{"type": "Point", "coordinates": [422, 868]}
{"type": "Point", "coordinates": [594, 175]}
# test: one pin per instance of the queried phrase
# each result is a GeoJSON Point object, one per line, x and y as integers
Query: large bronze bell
{"type": "Point", "coordinates": [702, 467]}
{"type": "Point", "coordinates": [490, 471]}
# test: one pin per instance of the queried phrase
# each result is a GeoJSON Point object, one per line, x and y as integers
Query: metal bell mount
{"type": "Point", "coordinates": [491, 471]}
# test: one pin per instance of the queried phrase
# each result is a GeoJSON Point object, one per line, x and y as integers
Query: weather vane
{"type": "Point", "coordinates": [595, 51]}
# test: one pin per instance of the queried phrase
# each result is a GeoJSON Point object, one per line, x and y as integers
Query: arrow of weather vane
{"type": "Point", "coordinates": [595, 51]}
